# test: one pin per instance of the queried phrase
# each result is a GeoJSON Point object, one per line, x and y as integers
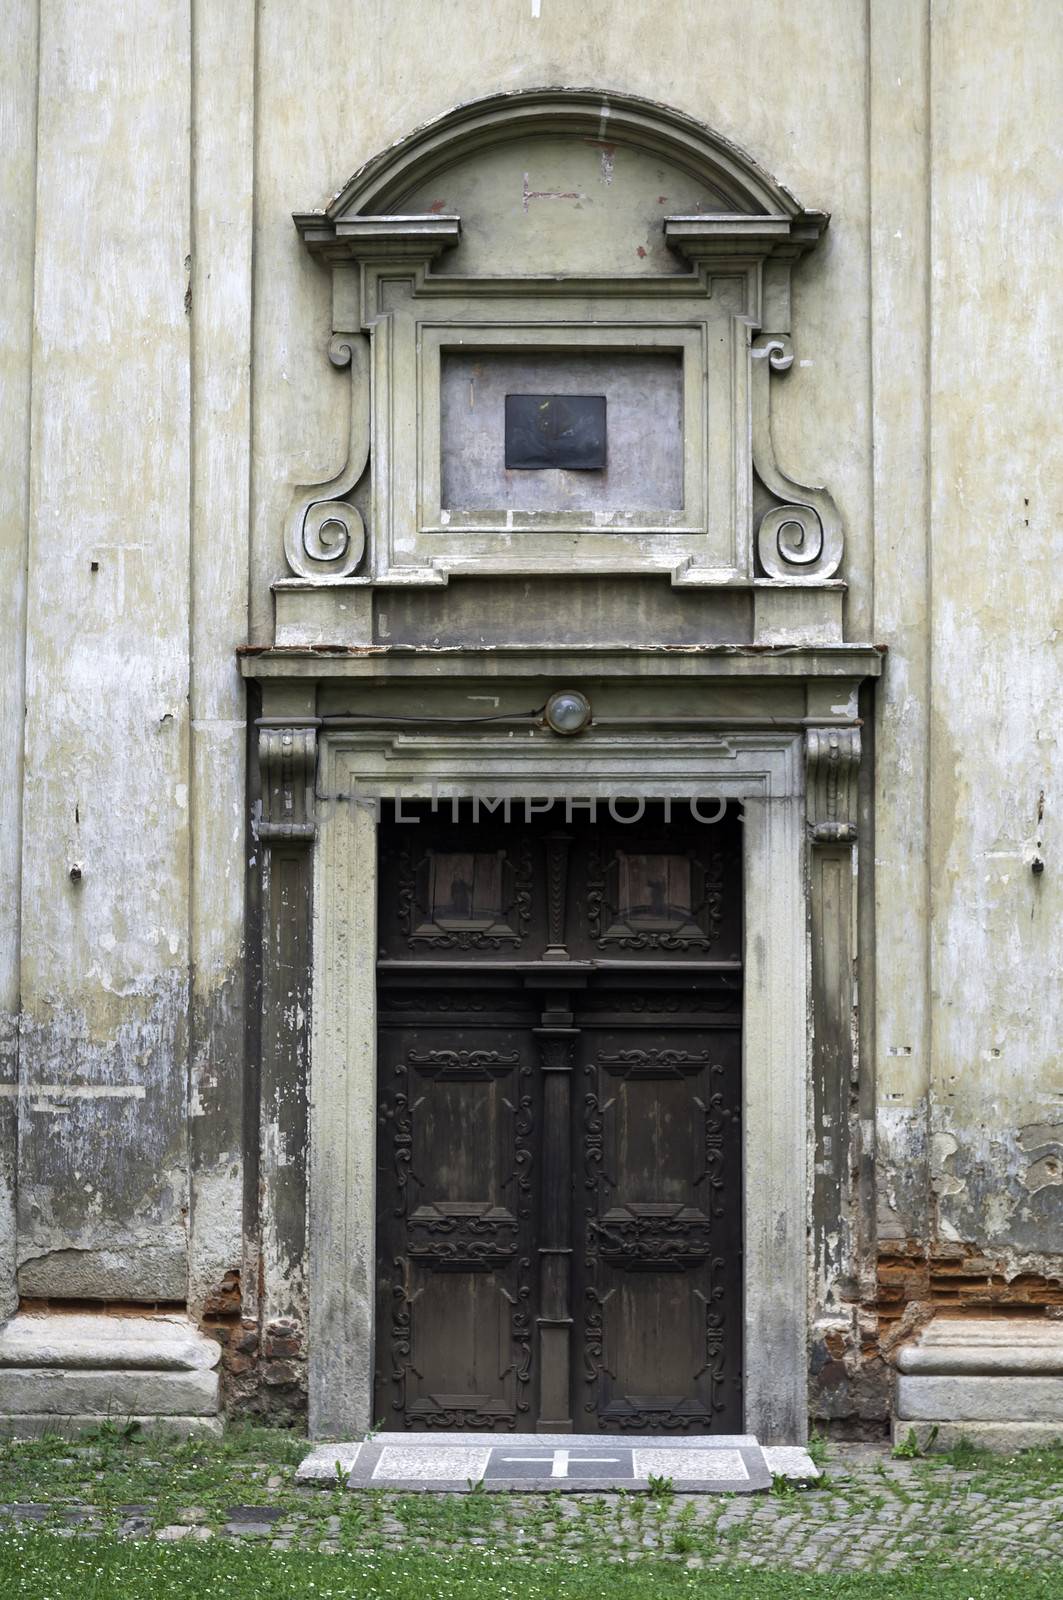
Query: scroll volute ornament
{"type": "Point", "coordinates": [325, 536]}
{"type": "Point", "coordinates": [802, 537]}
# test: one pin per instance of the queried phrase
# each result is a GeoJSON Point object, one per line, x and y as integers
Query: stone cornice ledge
{"type": "Point", "coordinates": [363, 238]}
{"type": "Point", "coordinates": [607, 661]}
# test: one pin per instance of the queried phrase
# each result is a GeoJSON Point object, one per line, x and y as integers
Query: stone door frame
{"type": "Point", "coordinates": [765, 770]}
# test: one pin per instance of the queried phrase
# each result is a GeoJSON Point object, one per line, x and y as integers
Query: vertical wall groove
{"type": "Point", "coordinates": [19, 75]}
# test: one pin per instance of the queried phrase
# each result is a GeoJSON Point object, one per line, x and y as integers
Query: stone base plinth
{"type": "Point", "coordinates": [68, 1371]}
{"type": "Point", "coordinates": [995, 1382]}
{"type": "Point", "coordinates": [35, 1426]}
{"type": "Point", "coordinates": [1001, 1436]}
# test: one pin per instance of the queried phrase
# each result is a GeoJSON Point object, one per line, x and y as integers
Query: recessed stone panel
{"type": "Point", "coordinates": [641, 395]}
{"type": "Point", "coordinates": [435, 1463]}
{"type": "Point", "coordinates": [680, 1464]}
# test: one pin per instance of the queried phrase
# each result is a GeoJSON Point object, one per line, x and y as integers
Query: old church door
{"type": "Point", "coordinates": [559, 1156]}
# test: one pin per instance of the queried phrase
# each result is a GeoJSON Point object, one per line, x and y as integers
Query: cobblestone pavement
{"type": "Point", "coordinates": [870, 1512]}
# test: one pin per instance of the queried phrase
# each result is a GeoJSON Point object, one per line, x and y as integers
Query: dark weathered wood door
{"type": "Point", "coordinates": [559, 1172]}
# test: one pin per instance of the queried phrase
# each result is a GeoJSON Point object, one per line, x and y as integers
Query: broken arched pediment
{"type": "Point", "coordinates": [574, 181]}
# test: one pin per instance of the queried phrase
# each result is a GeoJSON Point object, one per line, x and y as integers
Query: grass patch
{"type": "Point", "coordinates": [114, 1467]}
{"type": "Point", "coordinates": [911, 1448]}
{"type": "Point", "coordinates": [37, 1564]}
{"type": "Point", "coordinates": [1027, 1472]}
{"type": "Point", "coordinates": [447, 1547]}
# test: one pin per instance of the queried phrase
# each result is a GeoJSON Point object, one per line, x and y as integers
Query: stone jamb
{"type": "Point", "coordinates": [763, 769]}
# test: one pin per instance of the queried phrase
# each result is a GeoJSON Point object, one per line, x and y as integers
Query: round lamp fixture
{"type": "Point", "coordinates": [567, 711]}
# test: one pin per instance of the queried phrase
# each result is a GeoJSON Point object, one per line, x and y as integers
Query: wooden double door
{"type": "Point", "coordinates": [559, 1152]}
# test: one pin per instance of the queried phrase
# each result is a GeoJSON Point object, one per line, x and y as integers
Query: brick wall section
{"type": "Point", "coordinates": [958, 1279]}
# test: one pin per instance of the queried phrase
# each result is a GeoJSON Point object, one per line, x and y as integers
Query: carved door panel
{"type": "Point", "coordinates": [455, 1240]}
{"type": "Point", "coordinates": [657, 1260]}
{"type": "Point", "coordinates": [665, 892]}
{"type": "Point", "coordinates": [461, 893]}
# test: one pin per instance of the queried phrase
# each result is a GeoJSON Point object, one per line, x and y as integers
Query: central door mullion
{"type": "Point", "coordinates": [556, 1040]}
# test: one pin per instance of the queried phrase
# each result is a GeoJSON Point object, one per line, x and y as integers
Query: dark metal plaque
{"type": "Point", "coordinates": [555, 430]}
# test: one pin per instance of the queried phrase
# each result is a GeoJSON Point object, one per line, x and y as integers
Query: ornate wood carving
{"type": "Point", "coordinates": [464, 1066]}
{"type": "Point", "coordinates": [666, 1062]}
{"type": "Point", "coordinates": [654, 900]}
{"type": "Point", "coordinates": [401, 1142]}
{"type": "Point", "coordinates": [801, 537]}
{"type": "Point", "coordinates": [717, 1115]}
{"type": "Point", "coordinates": [520, 1324]}
{"type": "Point", "coordinates": [652, 1237]}
{"type": "Point", "coordinates": [560, 1207]}
{"type": "Point", "coordinates": [449, 1413]}
{"type": "Point", "coordinates": [465, 900]}
{"type": "Point", "coordinates": [832, 758]}
{"type": "Point", "coordinates": [399, 1347]}
{"type": "Point", "coordinates": [466, 1236]}
{"type": "Point", "coordinates": [523, 1128]}
{"type": "Point", "coordinates": [640, 1414]}
{"type": "Point", "coordinates": [684, 1251]}
{"type": "Point", "coordinates": [287, 760]}
{"type": "Point", "coordinates": [456, 1158]}
{"type": "Point", "coordinates": [714, 1365]}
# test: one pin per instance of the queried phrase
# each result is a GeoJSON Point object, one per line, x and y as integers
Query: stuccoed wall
{"type": "Point", "coordinates": [167, 388]}
{"type": "Point", "coordinates": [995, 1082]}
{"type": "Point", "coordinates": [970, 1090]}
{"type": "Point", "coordinates": [102, 1165]}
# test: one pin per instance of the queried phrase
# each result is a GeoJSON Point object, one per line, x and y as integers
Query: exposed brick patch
{"type": "Point", "coordinates": [224, 1300]}
{"type": "Point", "coordinates": [960, 1280]}
{"type": "Point", "coordinates": [113, 1308]}
{"type": "Point", "coordinates": [851, 1369]}
{"type": "Point", "coordinates": [263, 1369]}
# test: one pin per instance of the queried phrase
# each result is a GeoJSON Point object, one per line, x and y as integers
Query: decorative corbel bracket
{"type": "Point", "coordinates": [287, 759]}
{"type": "Point", "coordinates": [802, 537]}
{"type": "Point", "coordinates": [832, 757]}
{"type": "Point", "coordinates": [325, 536]}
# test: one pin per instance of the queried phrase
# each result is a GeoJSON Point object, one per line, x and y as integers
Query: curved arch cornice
{"type": "Point", "coordinates": [381, 184]}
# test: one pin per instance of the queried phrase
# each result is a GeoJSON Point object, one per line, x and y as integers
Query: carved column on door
{"type": "Point", "coordinates": [557, 848]}
{"type": "Point", "coordinates": [556, 1040]}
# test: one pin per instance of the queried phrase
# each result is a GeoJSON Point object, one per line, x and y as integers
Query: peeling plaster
{"type": "Point", "coordinates": [1043, 1174]}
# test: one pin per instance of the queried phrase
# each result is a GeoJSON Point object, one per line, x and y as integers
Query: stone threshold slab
{"type": "Point", "coordinates": [457, 1463]}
